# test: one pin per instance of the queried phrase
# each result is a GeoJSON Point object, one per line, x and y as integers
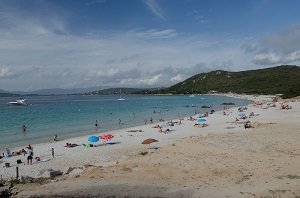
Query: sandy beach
{"type": "Point", "coordinates": [221, 160]}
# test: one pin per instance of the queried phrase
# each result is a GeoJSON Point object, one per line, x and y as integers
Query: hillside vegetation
{"type": "Point", "coordinates": [276, 80]}
{"type": "Point", "coordinates": [114, 91]}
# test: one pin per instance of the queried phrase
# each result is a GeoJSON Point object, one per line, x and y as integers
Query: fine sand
{"type": "Point", "coordinates": [221, 160]}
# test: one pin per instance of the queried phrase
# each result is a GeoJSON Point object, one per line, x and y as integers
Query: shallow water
{"type": "Point", "coordinates": [69, 116]}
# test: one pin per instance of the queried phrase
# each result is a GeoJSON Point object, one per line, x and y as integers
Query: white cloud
{"type": "Point", "coordinates": [275, 49]}
{"type": "Point", "coordinates": [108, 72]}
{"type": "Point", "coordinates": [267, 58]}
{"type": "Point", "coordinates": [155, 34]}
{"type": "Point", "coordinates": [294, 56]}
{"type": "Point", "coordinates": [155, 8]}
{"type": "Point", "coordinates": [177, 78]}
{"type": "Point", "coordinates": [5, 73]}
{"type": "Point", "coordinates": [286, 41]}
{"type": "Point", "coordinates": [200, 18]}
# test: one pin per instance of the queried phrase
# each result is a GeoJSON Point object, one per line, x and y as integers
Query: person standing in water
{"type": "Point", "coordinates": [96, 124]}
{"type": "Point", "coordinates": [24, 128]}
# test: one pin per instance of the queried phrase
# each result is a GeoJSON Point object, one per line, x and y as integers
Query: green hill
{"type": "Point", "coordinates": [283, 79]}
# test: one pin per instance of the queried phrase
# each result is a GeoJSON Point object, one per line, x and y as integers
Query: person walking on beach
{"type": "Point", "coordinates": [29, 155]}
{"type": "Point", "coordinates": [52, 152]}
{"type": "Point", "coordinates": [120, 122]}
{"type": "Point", "coordinates": [151, 120]}
{"type": "Point", "coordinates": [145, 120]}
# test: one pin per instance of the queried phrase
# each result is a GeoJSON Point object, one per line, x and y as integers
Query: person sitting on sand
{"type": "Point", "coordinates": [247, 125]}
{"type": "Point", "coordinates": [24, 152]}
{"type": "Point", "coordinates": [20, 152]}
{"type": "Point", "coordinates": [160, 129]}
{"type": "Point", "coordinates": [191, 118]}
{"type": "Point", "coordinates": [167, 130]}
{"type": "Point", "coordinates": [156, 126]}
{"type": "Point", "coordinates": [55, 139]}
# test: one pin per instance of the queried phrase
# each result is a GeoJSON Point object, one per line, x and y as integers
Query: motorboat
{"type": "Point", "coordinates": [19, 102]}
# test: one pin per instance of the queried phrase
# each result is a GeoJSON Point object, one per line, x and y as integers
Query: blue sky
{"type": "Point", "coordinates": [140, 43]}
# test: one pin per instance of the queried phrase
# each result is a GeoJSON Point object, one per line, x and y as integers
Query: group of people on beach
{"type": "Point", "coordinates": [27, 151]}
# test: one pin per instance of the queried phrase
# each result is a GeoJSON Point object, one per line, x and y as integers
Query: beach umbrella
{"type": "Point", "coordinates": [106, 137]}
{"type": "Point", "coordinates": [149, 141]}
{"type": "Point", "coordinates": [201, 120]}
{"type": "Point", "coordinates": [93, 139]}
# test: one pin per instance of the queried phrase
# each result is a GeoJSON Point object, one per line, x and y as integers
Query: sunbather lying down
{"type": "Point", "coordinates": [69, 145]}
{"type": "Point", "coordinates": [137, 130]}
{"type": "Point", "coordinates": [200, 125]}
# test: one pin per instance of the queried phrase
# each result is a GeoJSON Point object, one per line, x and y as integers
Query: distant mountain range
{"type": "Point", "coordinates": [283, 79]}
{"type": "Point", "coordinates": [54, 91]}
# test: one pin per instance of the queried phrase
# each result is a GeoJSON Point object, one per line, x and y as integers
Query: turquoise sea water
{"type": "Point", "coordinates": [69, 116]}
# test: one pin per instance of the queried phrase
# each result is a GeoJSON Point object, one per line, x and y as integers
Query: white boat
{"type": "Point", "coordinates": [121, 97]}
{"type": "Point", "coordinates": [19, 102]}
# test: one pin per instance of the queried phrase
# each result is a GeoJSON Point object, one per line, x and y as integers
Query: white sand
{"type": "Point", "coordinates": [127, 143]}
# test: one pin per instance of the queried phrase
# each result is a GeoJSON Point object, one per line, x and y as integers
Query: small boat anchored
{"type": "Point", "coordinates": [19, 102]}
{"type": "Point", "coordinates": [121, 96]}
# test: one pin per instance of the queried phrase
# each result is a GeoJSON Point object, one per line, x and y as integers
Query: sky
{"type": "Point", "coordinates": [140, 43]}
